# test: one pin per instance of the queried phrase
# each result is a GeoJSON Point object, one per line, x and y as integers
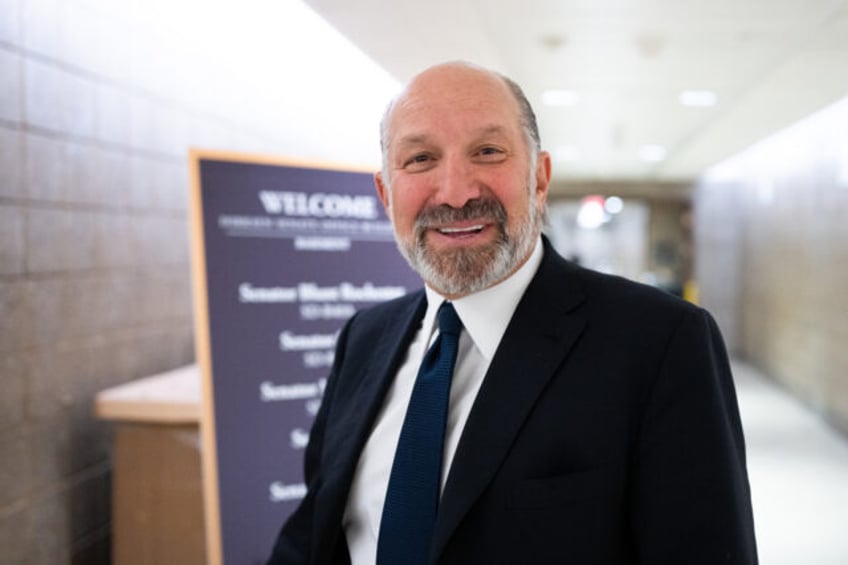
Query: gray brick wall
{"type": "Point", "coordinates": [94, 286]}
{"type": "Point", "coordinates": [99, 104]}
{"type": "Point", "coordinates": [97, 112]}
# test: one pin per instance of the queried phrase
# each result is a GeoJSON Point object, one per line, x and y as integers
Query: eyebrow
{"type": "Point", "coordinates": [415, 138]}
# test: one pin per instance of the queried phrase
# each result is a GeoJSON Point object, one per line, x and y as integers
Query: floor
{"type": "Point", "coordinates": [798, 468]}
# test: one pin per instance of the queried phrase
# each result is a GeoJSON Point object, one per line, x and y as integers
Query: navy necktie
{"type": "Point", "coordinates": [412, 497]}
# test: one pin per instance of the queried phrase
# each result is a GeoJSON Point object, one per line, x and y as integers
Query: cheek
{"type": "Point", "coordinates": [515, 199]}
{"type": "Point", "coordinates": [407, 201]}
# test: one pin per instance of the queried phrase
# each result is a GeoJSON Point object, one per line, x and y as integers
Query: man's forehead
{"type": "Point", "coordinates": [442, 96]}
{"type": "Point", "coordinates": [414, 137]}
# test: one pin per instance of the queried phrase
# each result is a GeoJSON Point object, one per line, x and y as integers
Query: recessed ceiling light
{"type": "Point", "coordinates": [698, 98]}
{"type": "Point", "coordinates": [553, 41]}
{"type": "Point", "coordinates": [559, 98]}
{"type": "Point", "coordinates": [652, 153]}
{"type": "Point", "coordinates": [614, 205]}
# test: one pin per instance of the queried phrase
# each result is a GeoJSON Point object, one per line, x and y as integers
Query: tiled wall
{"type": "Point", "coordinates": [99, 103]}
{"type": "Point", "coordinates": [94, 286]}
{"type": "Point", "coordinates": [772, 257]}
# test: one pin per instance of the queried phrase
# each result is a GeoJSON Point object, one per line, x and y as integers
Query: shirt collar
{"type": "Point", "coordinates": [486, 314]}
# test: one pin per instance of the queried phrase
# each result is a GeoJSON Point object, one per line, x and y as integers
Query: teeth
{"type": "Point", "coordinates": [461, 230]}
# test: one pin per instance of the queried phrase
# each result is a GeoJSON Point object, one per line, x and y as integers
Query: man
{"type": "Point", "coordinates": [591, 419]}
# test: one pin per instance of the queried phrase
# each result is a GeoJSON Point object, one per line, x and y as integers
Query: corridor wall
{"type": "Point", "coordinates": [99, 104]}
{"type": "Point", "coordinates": [772, 256]}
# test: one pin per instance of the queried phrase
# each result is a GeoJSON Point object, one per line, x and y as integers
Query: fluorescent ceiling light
{"type": "Point", "coordinates": [698, 98]}
{"type": "Point", "coordinates": [652, 153]}
{"type": "Point", "coordinates": [559, 98]}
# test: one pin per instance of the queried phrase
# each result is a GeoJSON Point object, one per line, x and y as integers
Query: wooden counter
{"type": "Point", "coordinates": [157, 492]}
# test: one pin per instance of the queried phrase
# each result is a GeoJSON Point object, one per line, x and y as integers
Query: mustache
{"type": "Point", "coordinates": [487, 209]}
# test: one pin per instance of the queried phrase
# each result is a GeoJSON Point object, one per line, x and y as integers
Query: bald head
{"type": "Point", "coordinates": [460, 75]}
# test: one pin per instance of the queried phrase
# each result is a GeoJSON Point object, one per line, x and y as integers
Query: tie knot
{"type": "Point", "coordinates": [449, 322]}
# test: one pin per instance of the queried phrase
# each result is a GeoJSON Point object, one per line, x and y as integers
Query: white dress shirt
{"type": "Point", "coordinates": [485, 316]}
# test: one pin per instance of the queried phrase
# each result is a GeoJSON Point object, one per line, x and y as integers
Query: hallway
{"type": "Point", "coordinates": [798, 467]}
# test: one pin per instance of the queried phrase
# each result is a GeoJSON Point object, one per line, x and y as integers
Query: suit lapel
{"type": "Point", "coordinates": [355, 409]}
{"type": "Point", "coordinates": [538, 338]}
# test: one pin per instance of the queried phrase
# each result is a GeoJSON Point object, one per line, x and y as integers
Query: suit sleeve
{"type": "Point", "coordinates": [295, 540]}
{"type": "Point", "coordinates": [691, 498]}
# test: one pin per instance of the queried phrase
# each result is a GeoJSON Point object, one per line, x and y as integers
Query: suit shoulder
{"type": "Point", "coordinates": [601, 291]}
{"type": "Point", "coordinates": [380, 313]}
{"type": "Point", "coordinates": [628, 295]}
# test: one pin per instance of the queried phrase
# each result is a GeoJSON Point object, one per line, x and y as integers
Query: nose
{"type": "Point", "coordinates": [457, 183]}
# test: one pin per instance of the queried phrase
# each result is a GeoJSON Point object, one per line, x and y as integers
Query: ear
{"type": "Point", "coordinates": [543, 176]}
{"type": "Point", "coordinates": [382, 190]}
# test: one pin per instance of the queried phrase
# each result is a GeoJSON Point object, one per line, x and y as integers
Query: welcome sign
{"type": "Point", "coordinates": [283, 254]}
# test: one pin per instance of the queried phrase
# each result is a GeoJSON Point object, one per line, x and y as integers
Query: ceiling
{"type": "Point", "coordinates": [625, 63]}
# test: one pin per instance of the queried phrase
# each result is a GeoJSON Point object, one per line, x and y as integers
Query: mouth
{"type": "Point", "coordinates": [461, 234]}
{"type": "Point", "coordinates": [469, 230]}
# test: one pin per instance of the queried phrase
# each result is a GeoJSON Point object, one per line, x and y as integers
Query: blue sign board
{"type": "Point", "coordinates": [284, 254]}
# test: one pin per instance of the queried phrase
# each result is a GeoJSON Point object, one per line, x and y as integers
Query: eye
{"type": "Point", "coordinates": [491, 154]}
{"type": "Point", "coordinates": [418, 162]}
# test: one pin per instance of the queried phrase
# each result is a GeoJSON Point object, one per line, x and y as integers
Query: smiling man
{"type": "Point", "coordinates": [463, 178]}
{"type": "Point", "coordinates": [518, 409]}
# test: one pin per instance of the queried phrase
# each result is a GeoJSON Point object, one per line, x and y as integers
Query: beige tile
{"type": "Point", "coordinates": [47, 169]}
{"type": "Point", "coordinates": [74, 111]}
{"type": "Point", "coordinates": [96, 175]}
{"type": "Point", "coordinates": [115, 176]}
{"type": "Point", "coordinates": [82, 174]}
{"type": "Point", "coordinates": [175, 186]}
{"type": "Point", "coordinates": [61, 239]}
{"type": "Point", "coordinates": [15, 471]}
{"type": "Point", "coordinates": [52, 245]}
{"type": "Point", "coordinates": [16, 535]}
{"type": "Point", "coordinates": [15, 316]}
{"type": "Point", "coordinates": [11, 163]}
{"type": "Point", "coordinates": [159, 240]}
{"type": "Point", "coordinates": [151, 182]}
{"type": "Point", "coordinates": [44, 109]}
{"type": "Point", "coordinates": [113, 241]}
{"type": "Point", "coordinates": [66, 437]}
{"type": "Point", "coordinates": [79, 105]}
{"type": "Point", "coordinates": [166, 295]}
{"type": "Point", "coordinates": [50, 523]}
{"type": "Point", "coordinates": [10, 21]}
{"type": "Point", "coordinates": [57, 371]}
{"type": "Point", "coordinates": [113, 114]}
{"type": "Point", "coordinates": [10, 86]}
{"type": "Point", "coordinates": [143, 113]}
{"type": "Point", "coordinates": [13, 375]}
{"type": "Point", "coordinates": [47, 304]}
{"type": "Point", "coordinates": [12, 243]}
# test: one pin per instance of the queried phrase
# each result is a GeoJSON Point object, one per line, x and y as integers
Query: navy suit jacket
{"type": "Point", "coordinates": [606, 431]}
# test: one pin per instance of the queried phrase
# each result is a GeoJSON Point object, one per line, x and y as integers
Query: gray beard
{"type": "Point", "coordinates": [460, 272]}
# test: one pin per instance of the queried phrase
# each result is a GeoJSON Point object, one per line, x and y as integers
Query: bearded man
{"type": "Point", "coordinates": [551, 415]}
